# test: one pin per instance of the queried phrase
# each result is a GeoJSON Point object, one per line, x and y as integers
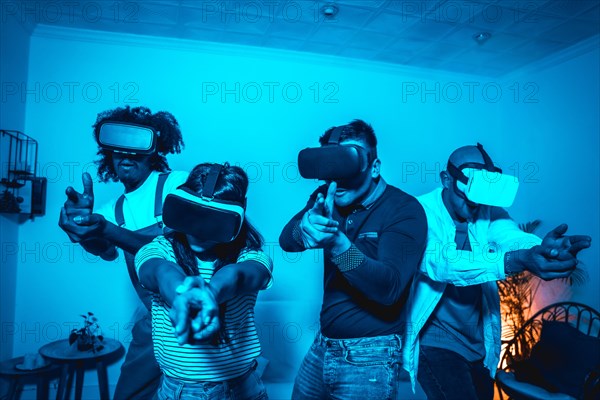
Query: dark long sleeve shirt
{"type": "Point", "coordinates": [366, 287]}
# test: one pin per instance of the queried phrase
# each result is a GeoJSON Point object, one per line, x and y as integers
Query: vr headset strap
{"type": "Point", "coordinates": [160, 185]}
{"type": "Point", "coordinates": [457, 173]}
{"type": "Point", "coordinates": [119, 218]}
{"type": "Point", "coordinates": [158, 196]}
{"type": "Point", "coordinates": [208, 189]}
{"type": "Point", "coordinates": [334, 138]}
{"type": "Point", "coordinates": [489, 165]}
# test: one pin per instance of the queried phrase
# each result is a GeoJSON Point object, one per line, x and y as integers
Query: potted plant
{"type": "Point", "coordinates": [89, 337]}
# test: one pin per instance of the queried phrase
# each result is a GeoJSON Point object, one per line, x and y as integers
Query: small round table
{"type": "Point", "coordinates": [73, 360]}
{"type": "Point", "coordinates": [17, 377]}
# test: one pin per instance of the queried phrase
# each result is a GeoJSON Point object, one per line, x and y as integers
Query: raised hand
{"type": "Point", "coordinates": [76, 216]}
{"type": "Point", "coordinates": [317, 225]}
{"type": "Point", "coordinates": [80, 203]}
{"type": "Point", "coordinates": [558, 246]}
{"type": "Point", "coordinates": [556, 257]}
{"type": "Point", "coordinates": [195, 311]}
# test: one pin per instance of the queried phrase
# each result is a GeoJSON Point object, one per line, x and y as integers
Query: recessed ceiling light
{"type": "Point", "coordinates": [482, 37]}
{"type": "Point", "coordinates": [329, 10]}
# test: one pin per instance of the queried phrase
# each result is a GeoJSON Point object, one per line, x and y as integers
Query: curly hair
{"type": "Point", "coordinates": [169, 141]}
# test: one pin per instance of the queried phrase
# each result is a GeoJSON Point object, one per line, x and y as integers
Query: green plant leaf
{"type": "Point", "coordinates": [73, 337]}
{"type": "Point", "coordinates": [530, 226]}
{"type": "Point", "coordinates": [578, 277]}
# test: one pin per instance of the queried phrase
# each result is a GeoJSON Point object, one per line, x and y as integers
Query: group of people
{"type": "Point", "coordinates": [408, 282]}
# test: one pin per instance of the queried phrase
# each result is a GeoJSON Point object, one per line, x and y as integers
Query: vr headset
{"type": "Point", "coordinates": [333, 161]}
{"type": "Point", "coordinates": [201, 215]}
{"type": "Point", "coordinates": [484, 183]}
{"type": "Point", "coordinates": [125, 137]}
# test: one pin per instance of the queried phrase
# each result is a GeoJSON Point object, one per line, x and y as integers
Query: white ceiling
{"type": "Point", "coordinates": [420, 33]}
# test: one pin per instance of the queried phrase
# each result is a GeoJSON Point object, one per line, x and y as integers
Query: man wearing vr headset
{"type": "Point", "coordinates": [373, 235]}
{"type": "Point", "coordinates": [132, 145]}
{"type": "Point", "coordinates": [453, 335]}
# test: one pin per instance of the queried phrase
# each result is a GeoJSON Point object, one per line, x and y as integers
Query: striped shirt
{"type": "Point", "coordinates": [206, 361]}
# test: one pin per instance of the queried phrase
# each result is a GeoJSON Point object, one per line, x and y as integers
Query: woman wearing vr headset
{"type": "Point", "coordinates": [205, 274]}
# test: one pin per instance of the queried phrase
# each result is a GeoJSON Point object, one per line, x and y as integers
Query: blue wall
{"type": "Point", "coordinates": [14, 46]}
{"type": "Point", "coordinates": [258, 108]}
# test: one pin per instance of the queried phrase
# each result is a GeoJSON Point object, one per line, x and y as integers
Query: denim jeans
{"type": "Point", "coordinates": [362, 368]}
{"type": "Point", "coordinates": [245, 387]}
{"type": "Point", "coordinates": [446, 375]}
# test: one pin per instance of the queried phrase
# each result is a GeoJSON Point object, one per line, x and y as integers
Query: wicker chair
{"type": "Point", "coordinates": [584, 318]}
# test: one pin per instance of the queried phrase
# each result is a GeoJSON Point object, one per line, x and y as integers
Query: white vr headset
{"type": "Point", "coordinates": [129, 138]}
{"type": "Point", "coordinates": [484, 183]}
{"type": "Point", "coordinates": [203, 216]}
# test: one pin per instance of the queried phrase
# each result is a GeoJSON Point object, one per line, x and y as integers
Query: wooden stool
{"type": "Point", "coordinates": [75, 361]}
{"type": "Point", "coordinates": [18, 377]}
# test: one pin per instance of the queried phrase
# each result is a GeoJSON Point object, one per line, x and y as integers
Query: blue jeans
{"type": "Point", "coordinates": [446, 375]}
{"type": "Point", "coordinates": [362, 368]}
{"type": "Point", "coordinates": [245, 387]}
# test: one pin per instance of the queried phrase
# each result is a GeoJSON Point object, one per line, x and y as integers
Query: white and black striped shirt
{"type": "Point", "coordinates": [205, 362]}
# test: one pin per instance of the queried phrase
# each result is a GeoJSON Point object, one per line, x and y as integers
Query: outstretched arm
{"type": "Point", "coordinates": [554, 258]}
{"type": "Point", "coordinates": [91, 230]}
{"type": "Point", "coordinates": [195, 303]}
{"type": "Point", "coordinates": [241, 278]}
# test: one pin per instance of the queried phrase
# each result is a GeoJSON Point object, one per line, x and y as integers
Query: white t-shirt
{"type": "Point", "coordinates": [138, 206]}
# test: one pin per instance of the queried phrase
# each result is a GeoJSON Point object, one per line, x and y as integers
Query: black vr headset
{"type": "Point", "coordinates": [333, 161]}
{"type": "Point", "coordinates": [129, 138]}
{"type": "Point", "coordinates": [201, 215]}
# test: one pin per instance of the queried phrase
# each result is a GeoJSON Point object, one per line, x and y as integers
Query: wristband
{"type": "Point", "coordinates": [508, 263]}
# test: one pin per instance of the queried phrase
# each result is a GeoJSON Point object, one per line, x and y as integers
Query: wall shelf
{"type": "Point", "coordinates": [21, 190]}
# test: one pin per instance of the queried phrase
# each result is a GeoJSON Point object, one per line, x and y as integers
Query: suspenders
{"type": "Point", "coordinates": [120, 219]}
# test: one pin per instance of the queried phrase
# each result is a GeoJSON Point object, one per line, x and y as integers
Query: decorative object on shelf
{"type": "Point", "coordinates": [23, 191]}
{"type": "Point", "coordinates": [89, 337]}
